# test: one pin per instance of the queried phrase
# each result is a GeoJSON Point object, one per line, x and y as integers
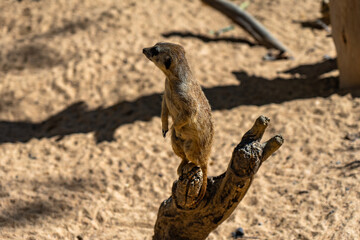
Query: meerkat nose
{"type": "Point", "coordinates": [146, 52]}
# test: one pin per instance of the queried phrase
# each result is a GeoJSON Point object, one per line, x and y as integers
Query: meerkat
{"type": "Point", "coordinates": [192, 130]}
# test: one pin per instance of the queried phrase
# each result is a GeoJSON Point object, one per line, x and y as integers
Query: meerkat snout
{"type": "Point", "coordinates": [159, 55]}
{"type": "Point", "coordinates": [151, 52]}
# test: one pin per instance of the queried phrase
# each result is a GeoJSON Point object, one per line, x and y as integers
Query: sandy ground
{"type": "Point", "coordinates": [81, 151]}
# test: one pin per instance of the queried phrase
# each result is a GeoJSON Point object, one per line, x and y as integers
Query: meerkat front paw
{"type": "Point", "coordinates": [164, 132]}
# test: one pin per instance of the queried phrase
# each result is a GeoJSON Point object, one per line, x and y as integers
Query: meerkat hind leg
{"type": "Point", "coordinates": [178, 147]}
{"type": "Point", "coordinates": [181, 166]}
{"type": "Point", "coordinates": [193, 152]}
{"type": "Point", "coordinates": [195, 155]}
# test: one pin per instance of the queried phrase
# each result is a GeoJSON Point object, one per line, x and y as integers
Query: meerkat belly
{"type": "Point", "coordinates": [189, 131]}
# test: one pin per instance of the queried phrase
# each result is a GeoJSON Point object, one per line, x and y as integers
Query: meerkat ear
{"type": "Point", "coordinates": [167, 62]}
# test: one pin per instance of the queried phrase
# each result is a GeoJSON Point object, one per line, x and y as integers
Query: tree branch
{"type": "Point", "coordinates": [249, 24]}
{"type": "Point", "coordinates": [182, 217]}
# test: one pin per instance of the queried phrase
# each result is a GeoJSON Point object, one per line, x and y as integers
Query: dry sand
{"type": "Point", "coordinates": [81, 151]}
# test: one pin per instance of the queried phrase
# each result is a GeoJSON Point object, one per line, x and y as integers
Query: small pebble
{"type": "Point", "coordinates": [327, 57]}
{"type": "Point", "coordinates": [239, 233]}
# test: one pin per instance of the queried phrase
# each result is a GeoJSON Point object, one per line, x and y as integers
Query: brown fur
{"type": "Point", "coordinates": [192, 130]}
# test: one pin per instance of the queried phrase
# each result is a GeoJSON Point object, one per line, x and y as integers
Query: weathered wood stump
{"type": "Point", "coordinates": [184, 216]}
{"type": "Point", "coordinates": [345, 22]}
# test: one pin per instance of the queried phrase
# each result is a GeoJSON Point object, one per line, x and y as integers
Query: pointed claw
{"type": "Point", "coordinates": [164, 132]}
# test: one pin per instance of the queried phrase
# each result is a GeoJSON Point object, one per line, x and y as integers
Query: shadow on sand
{"type": "Point", "coordinates": [207, 39]}
{"type": "Point", "coordinates": [49, 205]}
{"type": "Point", "coordinates": [252, 90]}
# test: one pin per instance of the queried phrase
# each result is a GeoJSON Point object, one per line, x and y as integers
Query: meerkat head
{"type": "Point", "coordinates": [166, 56]}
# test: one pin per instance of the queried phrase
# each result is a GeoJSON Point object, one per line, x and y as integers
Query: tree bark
{"type": "Point", "coordinates": [345, 22]}
{"type": "Point", "coordinates": [184, 216]}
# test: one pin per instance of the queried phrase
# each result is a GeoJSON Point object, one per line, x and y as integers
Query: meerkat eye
{"type": "Point", "coordinates": [154, 51]}
{"type": "Point", "coordinates": [167, 62]}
